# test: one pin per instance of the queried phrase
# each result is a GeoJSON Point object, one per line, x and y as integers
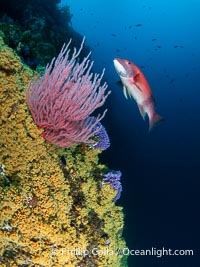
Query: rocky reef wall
{"type": "Point", "coordinates": [55, 210]}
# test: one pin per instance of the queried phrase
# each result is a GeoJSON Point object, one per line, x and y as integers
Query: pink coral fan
{"type": "Point", "coordinates": [62, 100]}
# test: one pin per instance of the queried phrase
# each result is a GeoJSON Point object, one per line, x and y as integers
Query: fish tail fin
{"type": "Point", "coordinates": [156, 118]}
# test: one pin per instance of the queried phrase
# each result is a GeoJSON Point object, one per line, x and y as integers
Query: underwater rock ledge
{"type": "Point", "coordinates": [50, 212]}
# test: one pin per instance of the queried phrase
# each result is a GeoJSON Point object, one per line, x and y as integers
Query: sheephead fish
{"type": "Point", "coordinates": [135, 85]}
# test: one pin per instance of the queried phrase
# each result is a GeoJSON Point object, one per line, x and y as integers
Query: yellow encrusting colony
{"type": "Point", "coordinates": [52, 214]}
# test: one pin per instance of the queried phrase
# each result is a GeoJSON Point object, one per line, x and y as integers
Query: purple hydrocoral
{"type": "Point", "coordinates": [62, 100]}
{"type": "Point", "coordinates": [103, 140]}
{"type": "Point", "coordinates": [113, 178]}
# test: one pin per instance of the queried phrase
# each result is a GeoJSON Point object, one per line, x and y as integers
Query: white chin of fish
{"type": "Point", "coordinates": [119, 68]}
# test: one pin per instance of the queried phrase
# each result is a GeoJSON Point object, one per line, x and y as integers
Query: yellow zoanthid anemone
{"type": "Point", "coordinates": [52, 214]}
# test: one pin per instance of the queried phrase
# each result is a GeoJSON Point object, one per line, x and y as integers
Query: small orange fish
{"type": "Point", "coordinates": [135, 85]}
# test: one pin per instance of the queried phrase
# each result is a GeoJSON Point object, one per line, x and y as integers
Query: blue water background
{"type": "Point", "coordinates": [161, 178]}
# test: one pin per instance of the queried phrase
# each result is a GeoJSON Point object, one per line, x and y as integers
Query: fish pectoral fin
{"type": "Point", "coordinates": [135, 74]}
{"type": "Point", "coordinates": [136, 78]}
{"type": "Point", "coordinates": [142, 111]}
{"type": "Point", "coordinates": [125, 91]}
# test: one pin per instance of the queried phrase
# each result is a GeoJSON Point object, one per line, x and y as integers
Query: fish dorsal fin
{"type": "Point", "coordinates": [125, 91]}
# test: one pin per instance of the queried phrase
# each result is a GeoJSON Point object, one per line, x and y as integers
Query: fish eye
{"type": "Point", "coordinates": [129, 62]}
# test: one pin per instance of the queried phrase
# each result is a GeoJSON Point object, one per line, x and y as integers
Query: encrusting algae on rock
{"type": "Point", "coordinates": [51, 214]}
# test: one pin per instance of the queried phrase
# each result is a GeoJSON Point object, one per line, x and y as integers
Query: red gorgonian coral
{"type": "Point", "coordinates": [62, 101]}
